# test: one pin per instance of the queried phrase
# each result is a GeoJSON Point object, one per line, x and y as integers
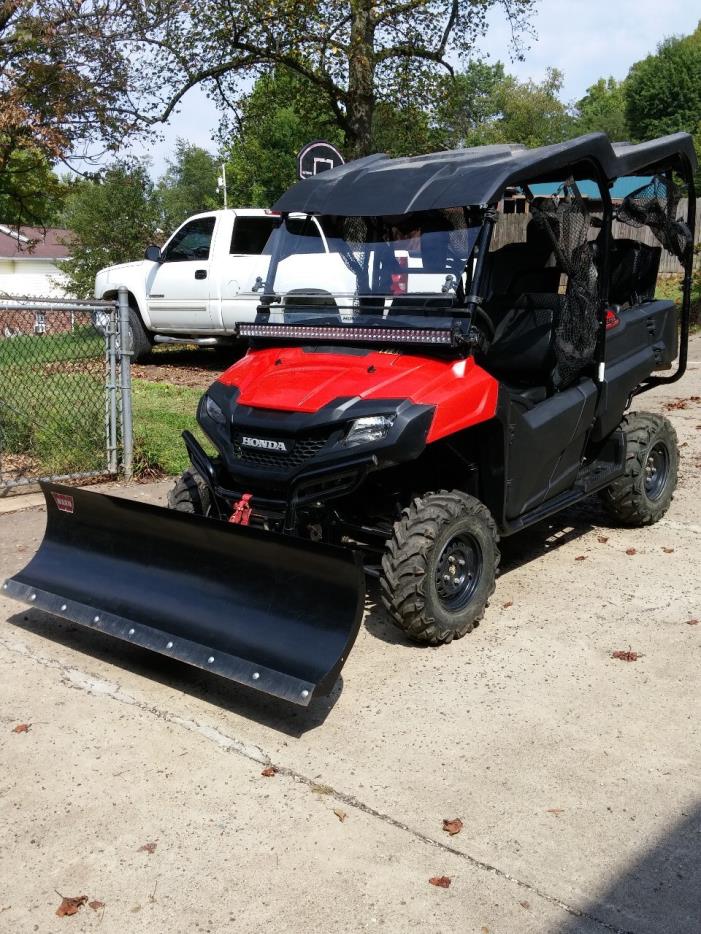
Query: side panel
{"type": "Point", "coordinates": [545, 446]}
{"type": "Point", "coordinates": [644, 340]}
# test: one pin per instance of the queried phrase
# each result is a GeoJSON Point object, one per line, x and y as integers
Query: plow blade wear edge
{"type": "Point", "coordinates": [270, 611]}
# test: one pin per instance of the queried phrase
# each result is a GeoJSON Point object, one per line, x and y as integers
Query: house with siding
{"type": "Point", "coordinates": [28, 257]}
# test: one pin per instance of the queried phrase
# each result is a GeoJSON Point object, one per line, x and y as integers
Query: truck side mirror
{"type": "Point", "coordinates": [153, 253]}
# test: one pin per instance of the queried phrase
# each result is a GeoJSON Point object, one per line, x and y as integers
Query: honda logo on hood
{"type": "Point", "coordinates": [267, 444]}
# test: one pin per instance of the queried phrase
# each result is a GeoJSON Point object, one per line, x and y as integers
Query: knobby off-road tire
{"type": "Point", "coordinates": [439, 567]}
{"type": "Point", "coordinates": [644, 493]}
{"type": "Point", "coordinates": [191, 494]}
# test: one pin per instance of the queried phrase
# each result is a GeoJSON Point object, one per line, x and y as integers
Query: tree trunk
{"type": "Point", "coordinates": [361, 79]}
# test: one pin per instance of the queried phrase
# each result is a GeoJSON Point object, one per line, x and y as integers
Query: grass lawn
{"type": "Point", "coordinates": [162, 412]}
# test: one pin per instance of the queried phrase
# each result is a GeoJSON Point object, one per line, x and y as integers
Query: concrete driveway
{"type": "Point", "coordinates": [576, 775]}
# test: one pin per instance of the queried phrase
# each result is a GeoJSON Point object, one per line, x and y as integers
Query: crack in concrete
{"type": "Point", "coordinates": [81, 681]}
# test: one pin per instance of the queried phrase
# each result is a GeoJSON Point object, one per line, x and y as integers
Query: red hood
{"type": "Point", "coordinates": [292, 380]}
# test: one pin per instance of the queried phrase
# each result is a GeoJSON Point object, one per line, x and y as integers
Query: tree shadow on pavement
{"type": "Point", "coordinates": [660, 892]}
{"type": "Point", "coordinates": [205, 686]}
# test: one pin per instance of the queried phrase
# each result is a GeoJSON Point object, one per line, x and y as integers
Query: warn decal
{"type": "Point", "coordinates": [267, 444]}
{"type": "Point", "coordinates": [63, 501]}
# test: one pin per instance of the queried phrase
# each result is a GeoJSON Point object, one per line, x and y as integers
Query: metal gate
{"type": "Point", "coordinates": [65, 390]}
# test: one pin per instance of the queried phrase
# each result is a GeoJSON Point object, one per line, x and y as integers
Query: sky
{"type": "Point", "coordinates": [585, 39]}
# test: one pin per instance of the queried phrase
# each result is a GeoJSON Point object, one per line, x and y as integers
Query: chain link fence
{"type": "Point", "coordinates": [65, 391]}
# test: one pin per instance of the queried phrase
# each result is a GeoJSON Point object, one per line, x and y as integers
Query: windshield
{"type": "Point", "coordinates": [358, 266]}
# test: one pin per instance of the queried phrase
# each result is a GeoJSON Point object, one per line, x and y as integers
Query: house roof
{"type": "Point", "coordinates": [380, 185]}
{"type": "Point", "coordinates": [33, 242]}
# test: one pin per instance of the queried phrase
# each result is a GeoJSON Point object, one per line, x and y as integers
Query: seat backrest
{"type": "Point", "coordinates": [523, 267]}
{"type": "Point", "coordinates": [633, 271]}
{"type": "Point", "coordinates": [522, 352]}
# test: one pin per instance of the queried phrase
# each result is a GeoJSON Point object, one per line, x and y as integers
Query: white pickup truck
{"type": "Point", "coordinates": [206, 278]}
{"type": "Point", "coordinates": [209, 276]}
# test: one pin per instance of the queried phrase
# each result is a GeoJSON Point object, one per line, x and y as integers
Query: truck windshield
{"type": "Point", "coordinates": [410, 263]}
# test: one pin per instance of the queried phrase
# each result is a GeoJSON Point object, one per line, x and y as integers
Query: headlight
{"type": "Point", "coordinates": [213, 410]}
{"type": "Point", "coordinates": [370, 428]}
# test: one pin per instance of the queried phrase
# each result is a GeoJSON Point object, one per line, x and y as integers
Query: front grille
{"type": "Point", "coordinates": [304, 449]}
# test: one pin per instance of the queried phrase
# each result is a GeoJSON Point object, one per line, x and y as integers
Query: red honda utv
{"type": "Point", "coordinates": [454, 389]}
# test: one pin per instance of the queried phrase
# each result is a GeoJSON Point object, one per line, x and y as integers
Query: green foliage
{"type": "Point", "coordinates": [354, 53]}
{"type": "Point", "coordinates": [30, 193]}
{"type": "Point", "coordinates": [112, 220]}
{"type": "Point", "coordinates": [282, 113]}
{"type": "Point", "coordinates": [603, 110]}
{"type": "Point", "coordinates": [189, 185]}
{"type": "Point", "coordinates": [663, 91]}
{"type": "Point", "coordinates": [485, 105]}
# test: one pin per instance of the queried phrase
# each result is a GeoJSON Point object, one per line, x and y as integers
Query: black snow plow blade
{"type": "Point", "coordinates": [276, 613]}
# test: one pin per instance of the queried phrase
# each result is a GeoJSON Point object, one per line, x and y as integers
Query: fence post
{"type": "Point", "coordinates": [111, 408]}
{"type": "Point", "coordinates": [125, 383]}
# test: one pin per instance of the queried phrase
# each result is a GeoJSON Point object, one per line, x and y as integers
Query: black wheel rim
{"type": "Point", "coordinates": [458, 571]}
{"type": "Point", "coordinates": [656, 471]}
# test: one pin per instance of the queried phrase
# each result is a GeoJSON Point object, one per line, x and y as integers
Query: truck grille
{"type": "Point", "coordinates": [303, 449]}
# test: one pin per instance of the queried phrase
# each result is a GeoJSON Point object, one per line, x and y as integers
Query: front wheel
{"type": "Point", "coordinates": [644, 493]}
{"type": "Point", "coordinates": [138, 338]}
{"type": "Point", "coordinates": [191, 494]}
{"type": "Point", "coordinates": [440, 565]}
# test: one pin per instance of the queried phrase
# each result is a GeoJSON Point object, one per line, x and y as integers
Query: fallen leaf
{"type": "Point", "coordinates": [484, 930]}
{"type": "Point", "coordinates": [149, 848]}
{"type": "Point", "coordinates": [626, 656]}
{"type": "Point", "coordinates": [442, 882]}
{"type": "Point", "coordinates": [341, 815]}
{"type": "Point", "coordinates": [692, 622]}
{"type": "Point", "coordinates": [70, 906]}
{"type": "Point", "coordinates": [602, 539]}
{"type": "Point", "coordinates": [452, 826]}
{"type": "Point", "coordinates": [525, 904]}
{"type": "Point", "coordinates": [505, 606]}
{"type": "Point", "coordinates": [581, 558]}
{"type": "Point", "coordinates": [22, 728]}
{"type": "Point", "coordinates": [96, 904]}
{"type": "Point", "coordinates": [631, 551]}
{"type": "Point", "coordinates": [269, 771]}
{"type": "Point", "coordinates": [556, 811]}
{"type": "Point", "coordinates": [667, 551]}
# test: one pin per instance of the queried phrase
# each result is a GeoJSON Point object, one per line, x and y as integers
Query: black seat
{"type": "Point", "coordinates": [523, 267]}
{"type": "Point", "coordinates": [633, 271]}
{"type": "Point", "coordinates": [522, 351]}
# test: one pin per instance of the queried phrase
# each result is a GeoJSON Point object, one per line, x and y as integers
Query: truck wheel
{"type": "Point", "coordinates": [644, 492]}
{"type": "Point", "coordinates": [139, 340]}
{"type": "Point", "coordinates": [440, 565]}
{"type": "Point", "coordinates": [191, 494]}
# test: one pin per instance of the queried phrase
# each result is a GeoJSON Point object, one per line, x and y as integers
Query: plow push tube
{"type": "Point", "coordinates": [276, 613]}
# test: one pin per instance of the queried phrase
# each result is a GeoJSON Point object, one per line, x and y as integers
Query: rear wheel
{"type": "Point", "coordinates": [191, 494]}
{"type": "Point", "coordinates": [440, 565]}
{"type": "Point", "coordinates": [644, 493]}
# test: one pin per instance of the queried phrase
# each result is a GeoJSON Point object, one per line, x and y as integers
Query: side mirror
{"type": "Point", "coordinates": [153, 253]}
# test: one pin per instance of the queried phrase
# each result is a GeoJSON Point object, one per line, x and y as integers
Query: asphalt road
{"type": "Point", "coordinates": [576, 775]}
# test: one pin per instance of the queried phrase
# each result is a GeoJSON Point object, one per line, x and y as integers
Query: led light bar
{"type": "Point", "coordinates": [378, 335]}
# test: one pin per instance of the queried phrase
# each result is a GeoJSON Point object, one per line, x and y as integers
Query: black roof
{"type": "Point", "coordinates": [381, 185]}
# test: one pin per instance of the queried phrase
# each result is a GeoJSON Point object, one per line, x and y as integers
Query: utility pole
{"type": "Point", "coordinates": [221, 182]}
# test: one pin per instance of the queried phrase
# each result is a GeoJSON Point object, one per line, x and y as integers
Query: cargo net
{"type": "Point", "coordinates": [655, 206]}
{"type": "Point", "coordinates": [567, 222]}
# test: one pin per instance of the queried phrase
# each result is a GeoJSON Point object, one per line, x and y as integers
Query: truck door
{"type": "Point", "coordinates": [178, 293]}
{"type": "Point", "coordinates": [248, 259]}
